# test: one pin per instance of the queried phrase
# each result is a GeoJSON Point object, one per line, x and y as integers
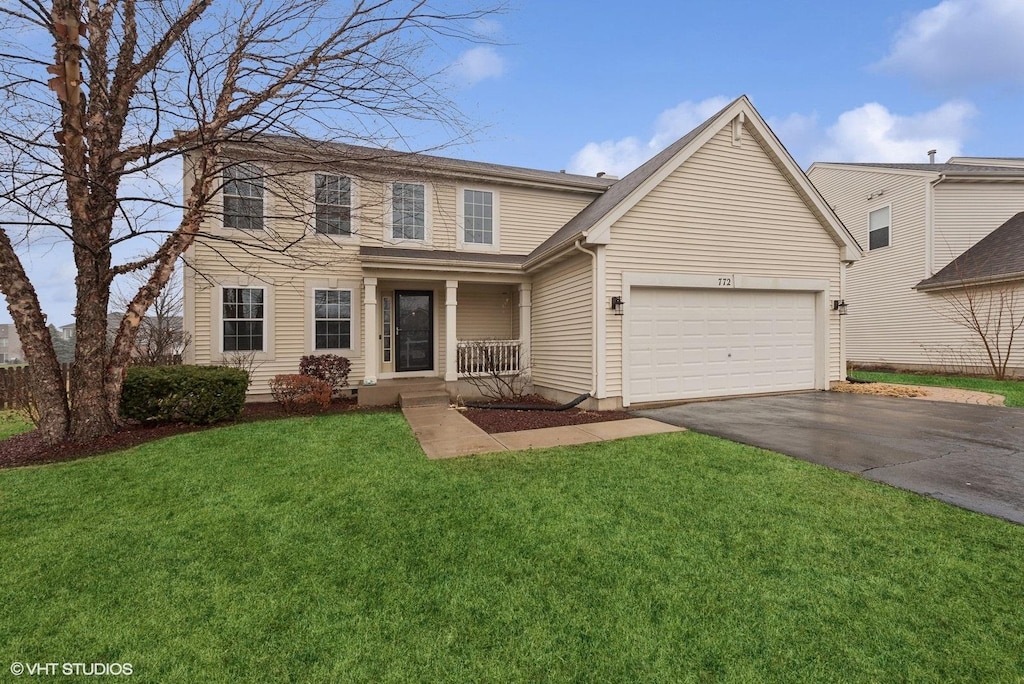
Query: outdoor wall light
{"type": "Point", "coordinates": [618, 306]}
{"type": "Point", "coordinates": [840, 306]}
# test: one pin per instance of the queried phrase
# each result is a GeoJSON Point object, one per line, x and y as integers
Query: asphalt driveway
{"type": "Point", "coordinates": [967, 455]}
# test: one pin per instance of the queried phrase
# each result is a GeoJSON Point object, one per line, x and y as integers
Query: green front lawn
{"type": "Point", "coordinates": [1013, 390]}
{"type": "Point", "coordinates": [329, 549]}
{"type": "Point", "coordinates": [13, 423]}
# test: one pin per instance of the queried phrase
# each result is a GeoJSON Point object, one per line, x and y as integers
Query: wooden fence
{"type": "Point", "coordinates": [14, 384]}
{"type": "Point", "coordinates": [14, 381]}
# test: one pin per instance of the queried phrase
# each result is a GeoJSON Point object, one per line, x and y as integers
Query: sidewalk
{"type": "Point", "coordinates": [444, 432]}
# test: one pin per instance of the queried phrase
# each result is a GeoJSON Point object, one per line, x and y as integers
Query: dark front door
{"type": "Point", "coordinates": [414, 330]}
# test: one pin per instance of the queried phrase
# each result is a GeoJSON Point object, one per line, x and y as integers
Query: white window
{"type": "Point", "coordinates": [408, 211]}
{"type": "Point", "coordinates": [333, 199]}
{"type": "Point", "coordinates": [332, 319]}
{"type": "Point", "coordinates": [878, 228]}
{"type": "Point", "coordinates": [243, 197]}
{"type": "Point", "coordinates": [386, 328]}
{"type": "Point", "coordinates": [477, 219]}
{"type": "Point", "coordinates": [242, 318]}
{"type": "Point", "coordinates": [478, 215]}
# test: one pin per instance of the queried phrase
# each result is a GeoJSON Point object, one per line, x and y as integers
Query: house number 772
{"type": "Point", "coordinates": [725, 282]}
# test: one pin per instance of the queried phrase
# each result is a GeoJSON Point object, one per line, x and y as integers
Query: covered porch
{"type": "Point", "coordinates": [433, 323]}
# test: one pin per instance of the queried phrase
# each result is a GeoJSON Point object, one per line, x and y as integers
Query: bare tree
{"type": "Point", "coordinates": [490, 371]}
{"type": "Point", "coordinates": [994, 314]}
{"type": "Point", "coordinates": [130, 84]}
{"type": "Point", "coordinates": [161, 337]}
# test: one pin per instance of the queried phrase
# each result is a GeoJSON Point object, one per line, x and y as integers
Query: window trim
{"type": "Point", "coordinates": [870, 212]}
{"type": "Point", "coordinates": [313, 319]}
{"type": "Point", "coordinates": [389, 215]}
{"type": "Point", "coordinates": [224, 195]}
{"type": "Point", "coordinates": [355, 315]}
{"type": "Point", "coordinates": [353, 198]}
{"type": "Point", "coordinates": [260, 353]}
{"type": "Point", "coordinates": [460, 219]}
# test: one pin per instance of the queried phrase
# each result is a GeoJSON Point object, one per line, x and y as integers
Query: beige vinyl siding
{"type": "Point", "coordinates": [526, 216]}
{"type": "Point", "coordinates": [562, 325]}
{"type": "Point", "coordinates": [967, 212]}
{"type": "Point", "coordinates": [253, 262]}
{"type": "Point", "coordinates": [487, 312]}
{"type": "Point", "coordinates": [727, 210]}
{"type": "Point", "coordinates": [529, 216]}
{"type": "Point", "coordinates": [886, 316]}
{"type": "Point", "coordinates": [889, 322]}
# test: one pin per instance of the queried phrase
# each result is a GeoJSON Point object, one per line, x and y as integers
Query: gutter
{"type": "Point", "coordinates": [555, 252]}
{"type": "Point", "coordinates": [989, 280]}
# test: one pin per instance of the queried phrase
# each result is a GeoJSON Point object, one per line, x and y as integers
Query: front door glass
{"type": "Point", "coordinates": [414, 332]}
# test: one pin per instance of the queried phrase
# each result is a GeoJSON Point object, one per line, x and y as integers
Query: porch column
{"type": "Point", "coordinates": [370, 326]}
{"type": "Point", "coordinates": [524, 326]}
{"type": "Point", "coordinates": [451, 362]}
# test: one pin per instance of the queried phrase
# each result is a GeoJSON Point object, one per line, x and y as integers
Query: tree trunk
{"type": "Point", "coordinates": [91, 416]}
{"type": "Point", "coordinates": [48, 391]}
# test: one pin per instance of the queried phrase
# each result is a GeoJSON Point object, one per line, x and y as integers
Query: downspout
{"type": "Point", "coordinates": [929, 226]}
{"type": "Point", "coordinates": [594, 313]}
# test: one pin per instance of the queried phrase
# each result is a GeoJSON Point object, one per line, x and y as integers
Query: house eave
{"type": "Point", "coordinates": [968, 282]}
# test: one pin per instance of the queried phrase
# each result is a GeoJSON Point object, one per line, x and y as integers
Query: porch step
{"type": "Point", "coordinates": [423, 398]}
{"type": "Point", "coordinates": [387, 392]}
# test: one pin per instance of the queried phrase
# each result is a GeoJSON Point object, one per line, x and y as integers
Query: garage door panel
{"type": "Point", "coordinates": [689, 343]}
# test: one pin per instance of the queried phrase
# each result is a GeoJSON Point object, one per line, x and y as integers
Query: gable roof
{"type": "Point", "coordinates": [996, 257]}
{"type": "Point", "coordinates": [625, 193]}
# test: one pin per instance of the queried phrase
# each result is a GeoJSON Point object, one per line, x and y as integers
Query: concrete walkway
{"type": "Point", "coordinates": [444, 432]}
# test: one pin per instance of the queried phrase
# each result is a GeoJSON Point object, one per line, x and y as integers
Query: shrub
{"type": "Point", "coordinates": [293, 391]}
{"type": "Point", "coordinates": [330, 368]}
{"type": "Point", "coordinates": [198, 395]}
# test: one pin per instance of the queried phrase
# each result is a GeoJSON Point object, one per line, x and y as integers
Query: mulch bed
{"type": "Point", "coordinates": [28, 448]}
{"type": "Point", "coordinates": [508, 420]}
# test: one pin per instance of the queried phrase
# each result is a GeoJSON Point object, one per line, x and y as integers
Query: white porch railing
{"type": "Point", "coordinates": [484, 357]}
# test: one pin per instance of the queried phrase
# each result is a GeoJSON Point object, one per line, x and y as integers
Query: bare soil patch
{"type": "Point", "coordinates": [881, 389]}
{"type": "Point", "coordinates": [509, 420]}
{"type": "Point", "coordinates": [28, 448]}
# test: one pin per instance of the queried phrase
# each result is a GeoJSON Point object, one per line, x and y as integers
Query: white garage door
{"type": "Point", "coordinates": [689, 343]}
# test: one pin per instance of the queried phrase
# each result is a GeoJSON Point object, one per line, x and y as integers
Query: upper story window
{"type": "Point", "coordinates": [242, 318]}
{"type": "Point", "coordinates": [478, 217]}
{"type": "Point", "coordinates": [333, 199]}
{"type": "Point", "coordinates": [243, 197]}
{"type": "Point", "coordinates": [408, 211]}
{"type": "Point", "coordinates": [878, 228]}
{"type": "Point", "coordinates": [332, 317]}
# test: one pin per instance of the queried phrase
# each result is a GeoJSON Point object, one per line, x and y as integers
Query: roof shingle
{"type": "Point", "coordinates": [998, 255]}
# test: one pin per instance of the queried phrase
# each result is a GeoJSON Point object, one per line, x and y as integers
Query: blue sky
{"type": "Point", "coordinates": [601, 86]}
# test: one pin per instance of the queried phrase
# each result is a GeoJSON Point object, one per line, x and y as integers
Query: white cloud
{"type": "Point", "coordinates": [477, 64]}
{"type": "Point", "coordinates": [960, 43]}
{"type": "Point", "coordinates": [873, 133]}
{"type": "Point", "coordinates": [619, 157]}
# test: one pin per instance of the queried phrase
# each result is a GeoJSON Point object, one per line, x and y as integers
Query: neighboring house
{"type": "Point", "coordinates": [709, 271]}
{"type": "Point", "coordinates": [67, 332]}
{"type": "Point", "coordinates": [10, 345]}
{"type": "Point", "coordinates": [917, 220]}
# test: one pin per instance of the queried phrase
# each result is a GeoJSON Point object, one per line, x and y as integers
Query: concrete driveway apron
{"type": "Point", "coordinates": [967, 455]}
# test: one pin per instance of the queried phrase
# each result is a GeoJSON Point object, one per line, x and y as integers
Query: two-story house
{"type": "Point", "coordinates": [710, 270]}
{"type": "Point", "coordinates": [917, 221]}
{"type": "Point", "coordinates": [10, 344]}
